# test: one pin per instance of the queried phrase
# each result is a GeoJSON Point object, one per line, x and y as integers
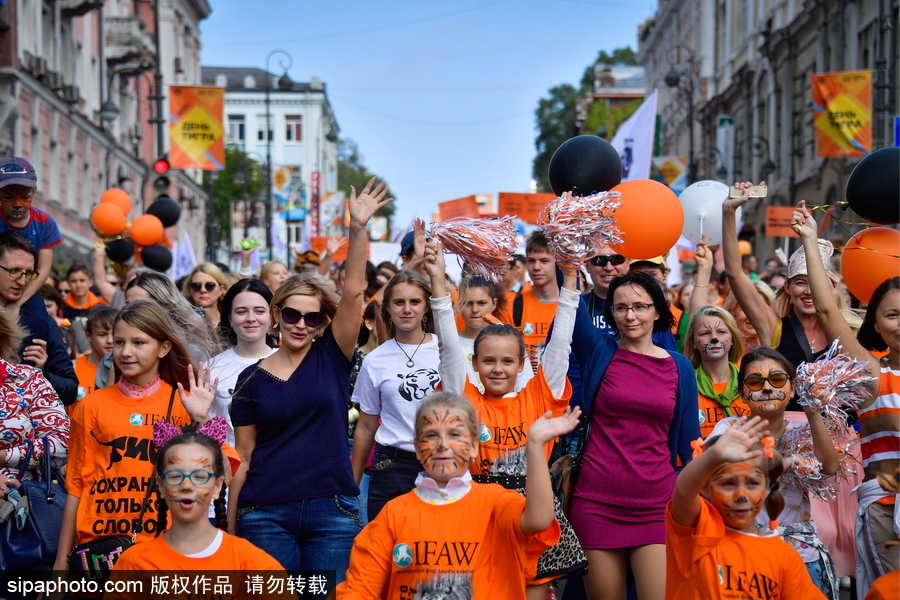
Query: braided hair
{"type": "Point", "coordinates": [190, 435]}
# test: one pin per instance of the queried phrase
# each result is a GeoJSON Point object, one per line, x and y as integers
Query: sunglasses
{"type": "Point", "coordinates": [13, 168]}
{"type": "Point", "coordinates": [756, 381]}
{"type": "Point", "coordinates": [16, 273]}
{"type": "Point", "coordinates": [292, 316]}
{"type": "Point", "coordinates": [602, 261]}
{"type": "Point", "coordinates": [196, 286]}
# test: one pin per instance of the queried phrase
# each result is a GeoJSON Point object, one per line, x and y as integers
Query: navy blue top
{"type": "Point", "coordinates": [301, 428]}
{"type": "Point", "coordinates": [58, 369]}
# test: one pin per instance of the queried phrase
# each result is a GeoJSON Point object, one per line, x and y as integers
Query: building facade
{"type": "Point", "coordinates": [77, 93]}
{"type": "Point", "coordinates": [748, 64]}
{"type": "Point", "coordinates": [301, 139]}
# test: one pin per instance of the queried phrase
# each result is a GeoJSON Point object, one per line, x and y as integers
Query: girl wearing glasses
{"type": "Point", "coordinates": [204, 289]}
{"type": "Point", "coordinates": [295, 494]}
{"type": "Point", "coordinates": [641, 416]}
{"type": "Point", "coordinates": [879, 417]}
{"type": "Point", "coordinates": [766, 384]}
{"type": "Point", "coordinates": [110, 462]}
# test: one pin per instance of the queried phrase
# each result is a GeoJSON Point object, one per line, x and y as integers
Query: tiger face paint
{"type": "Point", "coordinates": [444, 444]}
{"type": "Point", "coordinates": [737, 491]}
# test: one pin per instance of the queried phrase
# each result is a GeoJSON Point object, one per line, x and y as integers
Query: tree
{"type": "Point", "coordinates": [556, 119]}
{"type": "Point", "coordinates": [352, 172]}
{"type": "Point", "coordinates": [242, 178]}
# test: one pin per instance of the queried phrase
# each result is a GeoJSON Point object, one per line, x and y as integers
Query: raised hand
{"type": "Point", "coordinates": [202, 391]}
{"type": "Point", "coordinates": [732, 204]}
{"type": "Point", "coordinates": [363, 206]}
{"type": "Point", "coordinates": [547, 427]}
{"type": "Point", "coordinates": [802, 222]}
{"type": "Point", "coordinates": [735, 444]}
{"type": "Point", "coordinates": [702, 254]}
{"type": "Point", "coordinates": [333, 244]}
{"type": "Point", "coordinates": [418, 238]}
{"type": "Point", "coordinates": [434, 264]}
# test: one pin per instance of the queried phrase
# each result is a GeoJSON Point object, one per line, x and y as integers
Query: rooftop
{"type": "Point", "coordinates": [252, 79]}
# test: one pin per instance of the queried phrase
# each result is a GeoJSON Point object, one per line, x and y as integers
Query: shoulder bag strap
{"type": "Point", "coordinates": [152, 486]}
{"type": "Point", "coordinates": [518, 307]}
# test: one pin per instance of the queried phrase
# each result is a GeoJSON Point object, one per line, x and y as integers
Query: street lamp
{"type": "Point", "coordinates": [673, 80]}
{"type": "Point", "coordinates": [721, 171]}
{"type": "Point", "coordinates": [284, 84]}
{"type": "Point", "coordinates": [761, 148]}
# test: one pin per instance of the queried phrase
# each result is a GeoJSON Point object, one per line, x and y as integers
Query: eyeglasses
{"type": "Point", "coordinates": [756, 381]}
{"type": "Point", "coordinates": [196, 286]}
{"type": "Point", "coordinates": [292, 316]}
{"type": "Point", "coordinates": [13, 168]}
{"type": "Point", "coordinates": [602, 261]}
{"type": "Point", "coordinates": [63, 291]}
{"type": "Point", "coordinates": [16, 273]}
{"type": "Point", "coordinates": [620, 310]}
{"type": "Point", "coordinates": [198, 477]}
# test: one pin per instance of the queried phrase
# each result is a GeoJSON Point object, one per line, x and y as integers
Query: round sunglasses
{"type": "Point", "coordinates": [756, 381]}
{"type": "Point", "coordinates": [292, 316]}
{"type": "Point", "coordinates": [196, 286]}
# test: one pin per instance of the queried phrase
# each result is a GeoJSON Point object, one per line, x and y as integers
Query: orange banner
{"type": "Point", "coordinates": [842, 113]}
{"type": "Point", "coordinates": [461, 207]}
{"type": "Point", "coordinates": [195, 127]}
{"type": "Point", "coordinates": [320, 245]}
{"type": "Point", "coordinates": [524, 206]}
{"type": "Point", "coordinates": [778, 221]}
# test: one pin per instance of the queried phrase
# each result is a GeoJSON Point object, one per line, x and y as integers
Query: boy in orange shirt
{"type": "Point", "coordinates": [533, 309]}
{"type": "Point", "coordinates": [99, 333]}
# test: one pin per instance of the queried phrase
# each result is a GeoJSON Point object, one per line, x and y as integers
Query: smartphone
{"type": "Point", "coordinates": [756, 191]}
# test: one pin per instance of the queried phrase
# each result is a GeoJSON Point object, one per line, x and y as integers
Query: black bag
{"type": "Point", "coordinates": [29, 535]}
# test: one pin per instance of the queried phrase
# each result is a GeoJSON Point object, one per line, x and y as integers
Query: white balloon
{"type": "Point", "coordinates": [702, 204]}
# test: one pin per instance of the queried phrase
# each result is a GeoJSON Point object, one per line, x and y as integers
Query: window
{"type": "Point", "coordinates": [236, 128]}
{"type": "Point", "coordinates": [261, 129]}
{"type": "Point", "coordinates": [293, 128]}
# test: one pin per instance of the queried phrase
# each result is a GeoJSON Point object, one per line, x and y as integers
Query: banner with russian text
{"type": "Point", "coordinates": [195, 127]}
{"type": "Point", "coordinates": [842, 113]}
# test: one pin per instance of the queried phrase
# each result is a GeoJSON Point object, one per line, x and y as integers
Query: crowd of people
{"type": "Point", "coordinates": [400, 429]}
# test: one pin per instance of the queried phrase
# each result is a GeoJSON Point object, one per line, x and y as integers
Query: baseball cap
{"type": "Point", "coordinates": [657, 260]}
{"type": "Point", "coordinates": [17, 171]}
{"type": "Point", "coordinates": [406, 244]}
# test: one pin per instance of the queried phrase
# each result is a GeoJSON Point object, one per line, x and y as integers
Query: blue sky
{"type": "Point", "coordinates": [439, 96]}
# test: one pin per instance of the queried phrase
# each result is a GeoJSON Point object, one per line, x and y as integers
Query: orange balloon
{"type": "Point", "coordinates": [651, 218]}
{"type": "Point", "coordinates": [745, 247]}
{"type": "Point", "coordinates": [870, 257]}
{"type": "Point", "coordinates": [146, 230]}
{"type": "Point", "coordinates": [109, 219]}
{"type": "Point", "coordinates": [117, 197]}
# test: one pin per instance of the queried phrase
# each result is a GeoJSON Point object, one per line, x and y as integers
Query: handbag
{"type": "Point", "coordinates": [94, 560]}
{"type": "Point", "coordinates": [31, 517]}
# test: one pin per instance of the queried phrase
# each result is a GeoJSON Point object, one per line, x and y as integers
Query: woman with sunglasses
{"type": "Point", "coordinates": [296, 497]}
{"type": "Point", "coordinates": [766, 384]}
{"type": "Point", "coordinates": [204, 288]}
{"type": "Point", "coordinates": [879, 416]}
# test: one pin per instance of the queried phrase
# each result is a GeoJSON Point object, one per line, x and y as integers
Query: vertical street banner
{"type": "Point", "coordinates": [312, 216]}
{"type": "Point", "coordinates": [634, 140]}
{"type": "Point", "coordinates": [196, 132]}
{"type": "Point", "coordinates": [842, 113]}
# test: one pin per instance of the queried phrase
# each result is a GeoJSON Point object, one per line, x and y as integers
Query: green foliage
{"type": "Point", "coordinates": [242, 178]}
{"type": "Point", "coordinates": [555, 115]}
{"type": "Point", "coordinates": [352, 172]}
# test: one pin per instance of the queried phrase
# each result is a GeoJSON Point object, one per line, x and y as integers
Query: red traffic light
{"type": "Point", "coordinates": [161, 165]}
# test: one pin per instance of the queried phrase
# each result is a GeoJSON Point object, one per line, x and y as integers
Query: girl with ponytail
{"type": "Point", "coordinates": [714, 547]}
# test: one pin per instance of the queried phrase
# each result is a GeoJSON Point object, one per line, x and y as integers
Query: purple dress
{"type": "Point", "coordinates": [627, 476]}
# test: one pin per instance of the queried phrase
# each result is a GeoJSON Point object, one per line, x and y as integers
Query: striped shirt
{"type": "Point", "coordinates": [883, 445]}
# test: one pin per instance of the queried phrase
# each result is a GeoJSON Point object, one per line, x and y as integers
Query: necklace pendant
{"type": "Point", "coordinates": [410, 364]}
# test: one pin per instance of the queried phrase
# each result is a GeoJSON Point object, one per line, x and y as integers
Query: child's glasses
{"type": "Point", "coordinates": [198, 477]}
{"type": "Point", "coordinates": [756, 381]}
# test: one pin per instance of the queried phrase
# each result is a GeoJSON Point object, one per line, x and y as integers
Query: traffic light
{"type": "Point", "coordinates": [161, 182]}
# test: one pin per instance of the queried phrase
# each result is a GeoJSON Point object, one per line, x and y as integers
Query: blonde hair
{"type": "Point", "coordinates": [709, 310]}
{"type": "Point", "coordinates": [450, 400]}
{"type": "Point", "coordinates": [214, 272]}
{"type": "Point", "coordinates": [783, 307]}
{"type": "Point", "coordinates": [150, 318]}
{"type": "Point", "coordinates": [264, 271]}
{"type": "Point", "coordinates": [304, 285]}
{"type": "Point", "coordinates": [11, 335]}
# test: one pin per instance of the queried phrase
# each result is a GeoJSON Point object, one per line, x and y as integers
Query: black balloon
{"type": "Point", "coordinates": [119, 250]}
{"type": "Point", "coordinates": [166, 210]}
{"type": "Point", "coordinates": [873, 189]}
{"type": "Point", "coordinates": [583, 165]}
{"type": "Point", "coordinates": [157, 257]}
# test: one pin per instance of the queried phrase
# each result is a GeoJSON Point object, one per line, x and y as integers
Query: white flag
{"type": "Point", "coordinates": [185, 261]}
{"type": "Point", "coordinates": [634, 140]}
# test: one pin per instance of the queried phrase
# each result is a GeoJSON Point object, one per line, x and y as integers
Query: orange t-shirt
{"type": "Point", "coordinates": [536, 319]}
{"type": "Point", "coordinates": [111, 459]}
{"type": "Point", "coordinates": [711, 412]}
{"type": "Point", "coordinates": [886, 587]}
{"type": "Point", "coordinates": [712, 561]}
{"type": "Point", "coordinates": [676, 313]}
{"type": "Point", "coordinates": [473, 548]}
{"type": "Point", "coordinates": [505, 423]}
{"type": "Point", "coordinates": [86, 374]}
{"type": "Point", "coordinates": [92, 300]}
{"type": "Point", "coordinates": [155, 557]}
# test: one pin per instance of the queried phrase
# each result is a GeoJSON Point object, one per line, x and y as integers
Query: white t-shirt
{"type": "Point", "coordinates": [468, 348]}
{"type": "Point", "coordinates": [227, 366]}
{"type": "Point", "coordinates": [388, 388]}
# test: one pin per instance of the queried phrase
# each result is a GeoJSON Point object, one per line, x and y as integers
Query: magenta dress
{"type": "Point", "coordinates": [627, 476]}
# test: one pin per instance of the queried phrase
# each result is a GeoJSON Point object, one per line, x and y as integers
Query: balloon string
{"type": "Point", "coordinates": [843, 204]}
{"type": "Point", "coordinates": [701, 224]}
{"type": "Point", "coordinates": [872, 250]}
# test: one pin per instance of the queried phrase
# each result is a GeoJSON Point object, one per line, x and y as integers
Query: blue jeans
{"type": "Point", "coordinates": [395, 479]}
{"type": "Point", "coordinates": [312, 534]}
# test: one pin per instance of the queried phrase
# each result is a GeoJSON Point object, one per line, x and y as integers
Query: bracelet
{"type": "Point", "coordinates": [696, 285]}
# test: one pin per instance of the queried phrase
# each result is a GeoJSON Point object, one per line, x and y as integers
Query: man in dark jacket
{"type": "Point", "coordinates": [43, 346]}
